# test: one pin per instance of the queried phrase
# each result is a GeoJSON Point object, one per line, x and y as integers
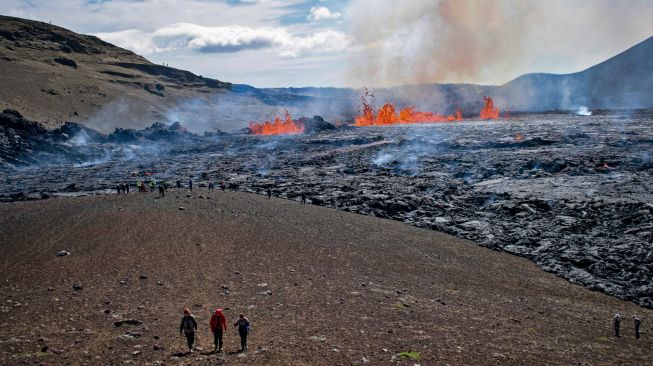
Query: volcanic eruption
{"type": "Point", "coordinates": [387, 114]}
{"type": "Point", "coordinates": [489, 111]}
{"type": "Point", "coordinates": [277, 127]}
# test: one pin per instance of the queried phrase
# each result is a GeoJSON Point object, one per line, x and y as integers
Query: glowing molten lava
{"type": "Point", "coordinates": [278, 127]}
{"type": "Point", "coordinates": [387, 115]}
{"type": "Point", "coordinates": [489, 111]}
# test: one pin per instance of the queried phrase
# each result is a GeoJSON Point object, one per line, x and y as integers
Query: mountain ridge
{"type": "Point", "coordinates": [54, 75]}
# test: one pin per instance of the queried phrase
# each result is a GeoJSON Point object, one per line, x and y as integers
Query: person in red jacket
{"type": "Point", "coordinates": [218, 325]}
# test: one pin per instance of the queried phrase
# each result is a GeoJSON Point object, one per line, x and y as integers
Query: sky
{"type": "Point", "coordinates": [355, 43]}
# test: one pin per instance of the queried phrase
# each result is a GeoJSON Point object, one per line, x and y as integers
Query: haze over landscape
{"type": "Point", "coordinates": [368, 181]}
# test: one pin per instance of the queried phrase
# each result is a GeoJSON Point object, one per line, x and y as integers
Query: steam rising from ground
{"type": "Point", "coordinates": [492, 41]}
{"type": "Point", "coordinates": [583, 111]}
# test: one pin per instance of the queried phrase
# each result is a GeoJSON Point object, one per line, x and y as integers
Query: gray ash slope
{"type": "Point", "coordinates": [572, 193]}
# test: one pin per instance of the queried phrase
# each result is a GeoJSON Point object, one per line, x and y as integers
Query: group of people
{"type": "Point", "coordinates": [218, 325]}
{"type": "Point", "coordinates": [122, 188]}
{"type": "Point", "coordinates": [143, 187]}
{"type": "Point", "coordinates": [616, 324]}
{"type": "Point", "coordinates": [223, 186]}
{"type": "Point", "coordinates": [152, 186]}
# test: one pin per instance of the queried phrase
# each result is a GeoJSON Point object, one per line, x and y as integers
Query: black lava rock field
{"type": "Point", "coordinates": [572, 193]}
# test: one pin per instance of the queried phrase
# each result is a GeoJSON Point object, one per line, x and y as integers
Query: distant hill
{"type": "Point", "coordinates": [53, 75]}
{"type": "Point", "coordinates": [623, 81]}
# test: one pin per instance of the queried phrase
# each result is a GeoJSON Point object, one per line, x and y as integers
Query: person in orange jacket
{"type": "Point", "coordinates": [218, 324]}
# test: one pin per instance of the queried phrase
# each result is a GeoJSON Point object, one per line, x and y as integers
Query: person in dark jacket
{"type": "Point", "coordinates": [188, 327]}
{"type": "Point", "coordinates": [616, 323]}
{"type": "Point", "coordinates": [638, 322]}
{"type": "Point", "coordinates": [243, 329]}
{"type": "Point", "coordinates": [218, 324]}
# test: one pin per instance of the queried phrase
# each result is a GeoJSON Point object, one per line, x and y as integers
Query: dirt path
{"type": "Point", "coordinates": [321, 287]}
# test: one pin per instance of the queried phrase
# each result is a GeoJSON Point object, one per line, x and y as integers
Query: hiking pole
{"type": "Point", "coordinates": [184, 344]}
{"type": "Point", "coordinates": [197, 338]}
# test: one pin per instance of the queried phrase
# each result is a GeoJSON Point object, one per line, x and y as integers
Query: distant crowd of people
{"type": "Point", "coordinates": [218, 326]}
{"type": "Point", "coordinates": [152, 185]}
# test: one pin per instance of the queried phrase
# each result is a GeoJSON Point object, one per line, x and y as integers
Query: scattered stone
{"type": "Point", "coordinates": [63, 253]}
{"type": "Point", "coordinates": [130, 336]}
{"type": "Point", "coordinates": [127, 322]}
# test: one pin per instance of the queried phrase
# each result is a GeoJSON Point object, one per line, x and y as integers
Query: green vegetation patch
{"type": "Point", "coordinates": [410, 355]}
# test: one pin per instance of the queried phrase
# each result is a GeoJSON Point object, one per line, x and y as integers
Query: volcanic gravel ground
{"type": "Point", "coordinates": [572, 193]}
{"type": "Point", "coordinates": [320, 286]}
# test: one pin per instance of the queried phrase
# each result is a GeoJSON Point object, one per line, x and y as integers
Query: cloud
{"type": "Point", "coordinates": [131, 39]}
{"type": "Point", "coordinates": [322, 13]}
{"type": "Point", "coordinates": [228, 39]}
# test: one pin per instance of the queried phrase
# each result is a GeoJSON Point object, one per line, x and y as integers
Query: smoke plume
{"type": "Point", "coordinates": [490, 41]}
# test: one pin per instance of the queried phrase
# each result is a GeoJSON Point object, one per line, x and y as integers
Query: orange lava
{"type": "Point", "coordinates": [489, 111]}
{"type": "Point", "coordinates": [388, 115]}
{"type": "Point", "coordinates": [277, 127]}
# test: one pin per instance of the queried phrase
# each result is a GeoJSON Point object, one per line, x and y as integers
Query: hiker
{"type": "Point", "coordinates": [162, 190]}
{"type": "Point", "coordinates": [190, 184]}
{"type": "Point", "coordinates": [638, 322]}
{"type": "Point", "coordinates": [303, 201]}
{"type": "Point", "coordinates": [243, 329]}
{"type": "Point", "coordinates": [188, 327]}
{"type": "Point", "coordinates": [126, 188]}
{"type": "Point", "coordinates": [152, 185]}
{"type": "Point", "coordinates": [211, 186]}
{"type": "Point", "coordinates": [119, 188]}
{"type": "Point", "coordinates": [222, 185]}
{"type": "Point", "coordinates": [218, 324]}
{"type": "Point", "coordinates": [178, 184]}
{"type": "Point", "coordinates": [616, 322]}
{"type": "Point", "coordinates": [269, 191]}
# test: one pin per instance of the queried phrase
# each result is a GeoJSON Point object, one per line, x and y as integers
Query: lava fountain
{"type": "Point", "coordinates": [489, 111]}
{"type": "Point", "coordinates": [277, 127]}
{"type": "Point", "coordinates": [387, 114]}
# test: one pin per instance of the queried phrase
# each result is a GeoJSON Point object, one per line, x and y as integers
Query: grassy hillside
{"type": "Point", "coordinates": [52, 75]}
